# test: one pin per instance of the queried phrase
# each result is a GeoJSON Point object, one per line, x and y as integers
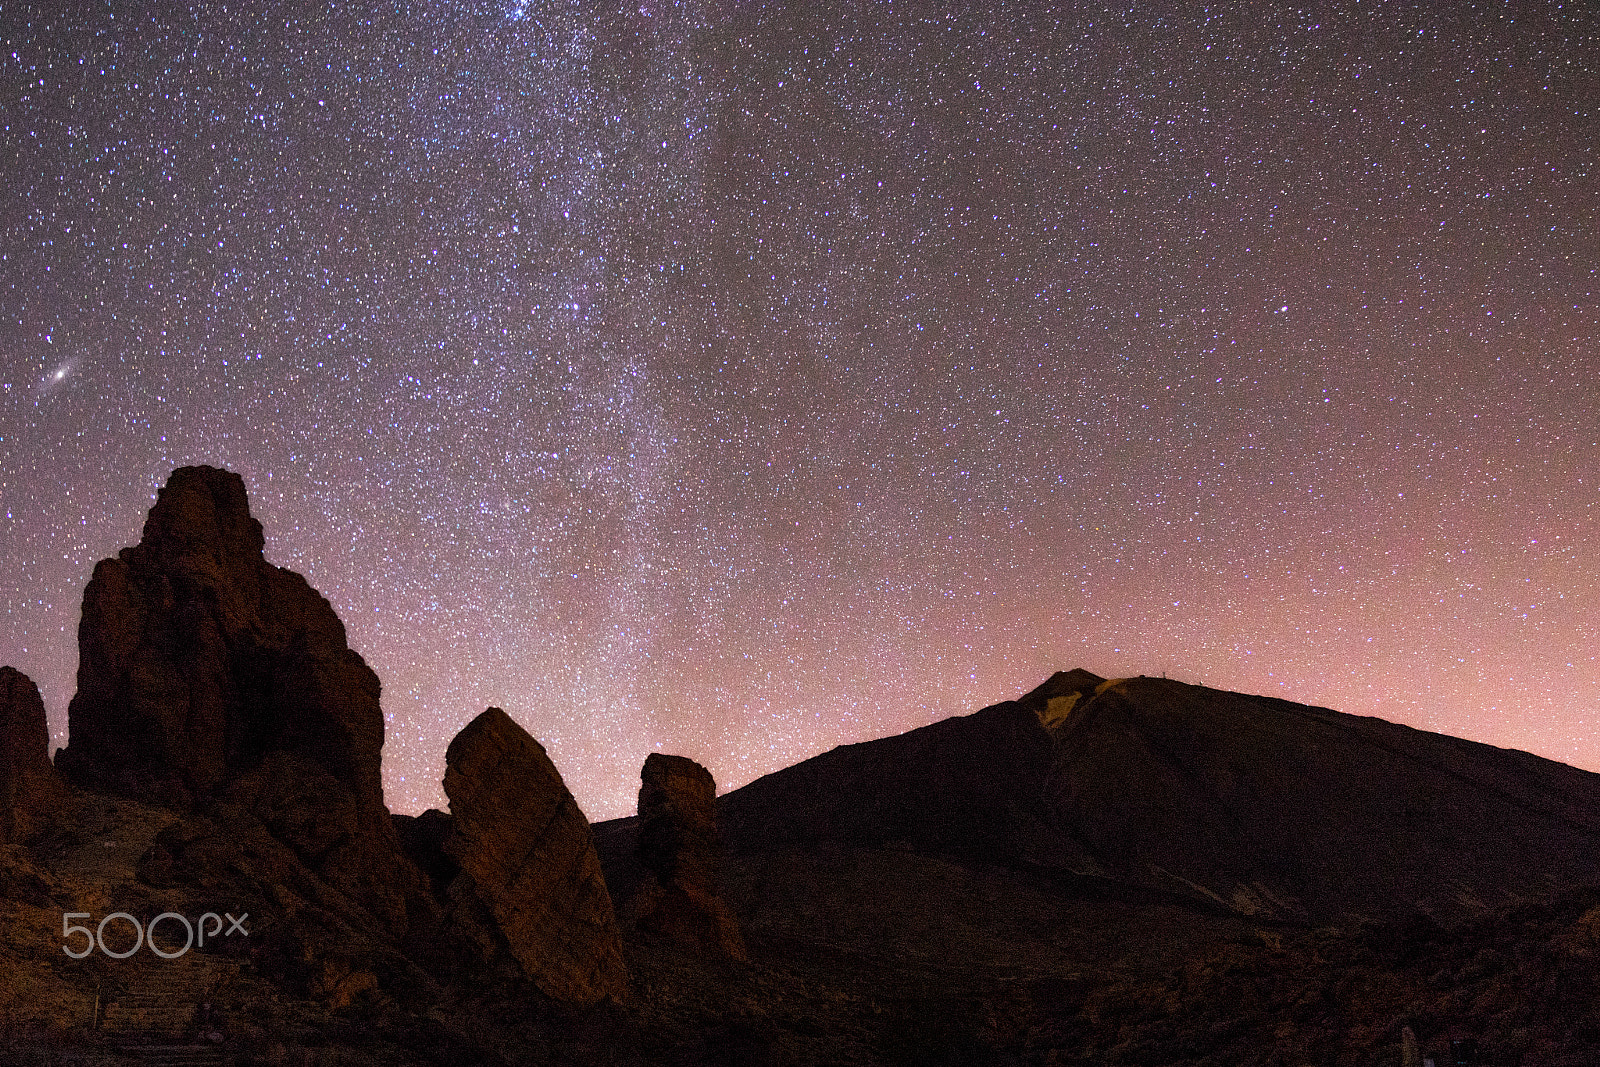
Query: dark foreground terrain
{"type": "Point", "coordinates": [1101, 871]}
{"type": "Point", "coordinates": [857, 956]}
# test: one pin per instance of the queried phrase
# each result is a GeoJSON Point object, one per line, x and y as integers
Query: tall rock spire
{"type": "Point", "coordinates": [210, 679]}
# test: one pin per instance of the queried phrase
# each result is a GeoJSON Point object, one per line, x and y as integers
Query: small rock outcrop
{"type": "Point", "coordinates": [28, 786]}
{"type": "Point", "coordinates": [530, 885]}
{"type": "Point", "coordinates": [681, 852]}
{"type": "Point", "coordinates": [211, 680]}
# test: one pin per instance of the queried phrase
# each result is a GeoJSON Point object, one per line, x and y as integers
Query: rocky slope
{"type": "Point", "coordinates": [1277, 809]}
{"type": "Point", "coordinates": [529, 885]}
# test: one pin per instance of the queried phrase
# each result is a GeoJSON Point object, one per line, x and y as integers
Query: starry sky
{"type": "Point", "coordinates": [740, 379]}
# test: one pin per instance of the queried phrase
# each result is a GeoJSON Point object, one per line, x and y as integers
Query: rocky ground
{"type": "Point", "coordinates": [856, 957]}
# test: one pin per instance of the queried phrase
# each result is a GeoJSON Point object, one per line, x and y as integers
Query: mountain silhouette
{"type": "Point", "coordinates": [1255, 805]}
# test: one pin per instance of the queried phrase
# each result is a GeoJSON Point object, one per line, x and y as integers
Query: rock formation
{"type": "Point", "coordinates": [28, 786]}
{"type": "Point", "coordinates": [423, 837]}
{"type": "Point", "coordinates": [530, 884]}
{"type": "Point", "coordinates": [681, 851]}
{"type": "Point", "coordinates": [1410, 1051]}
{"type": "Point", "coordinates": [209, 679]}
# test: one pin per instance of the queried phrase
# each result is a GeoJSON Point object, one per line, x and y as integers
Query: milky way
{"type": "Point", "coordinates": [738, 380]}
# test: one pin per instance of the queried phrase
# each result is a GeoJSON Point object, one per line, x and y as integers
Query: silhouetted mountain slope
{"type": "Point", "coordinates": [1254, 804]}
{"type": "Point", "coordinates": [972, 786]}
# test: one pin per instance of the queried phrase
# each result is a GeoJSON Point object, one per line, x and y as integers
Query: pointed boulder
{"type": "Point", "coordinates": [530, 884]}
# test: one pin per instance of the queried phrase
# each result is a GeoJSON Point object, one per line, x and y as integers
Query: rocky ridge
{"type": "Point", "coordinates": [222, 690]}
{"type": "Point", "coordinates": [1102, 870]}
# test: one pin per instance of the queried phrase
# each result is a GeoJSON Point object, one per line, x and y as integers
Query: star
{"type": "Point", "coordinates": [741, 380]}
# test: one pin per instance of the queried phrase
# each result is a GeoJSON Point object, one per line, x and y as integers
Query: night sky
{"type": "Point", "coordinates": [739, 380]}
